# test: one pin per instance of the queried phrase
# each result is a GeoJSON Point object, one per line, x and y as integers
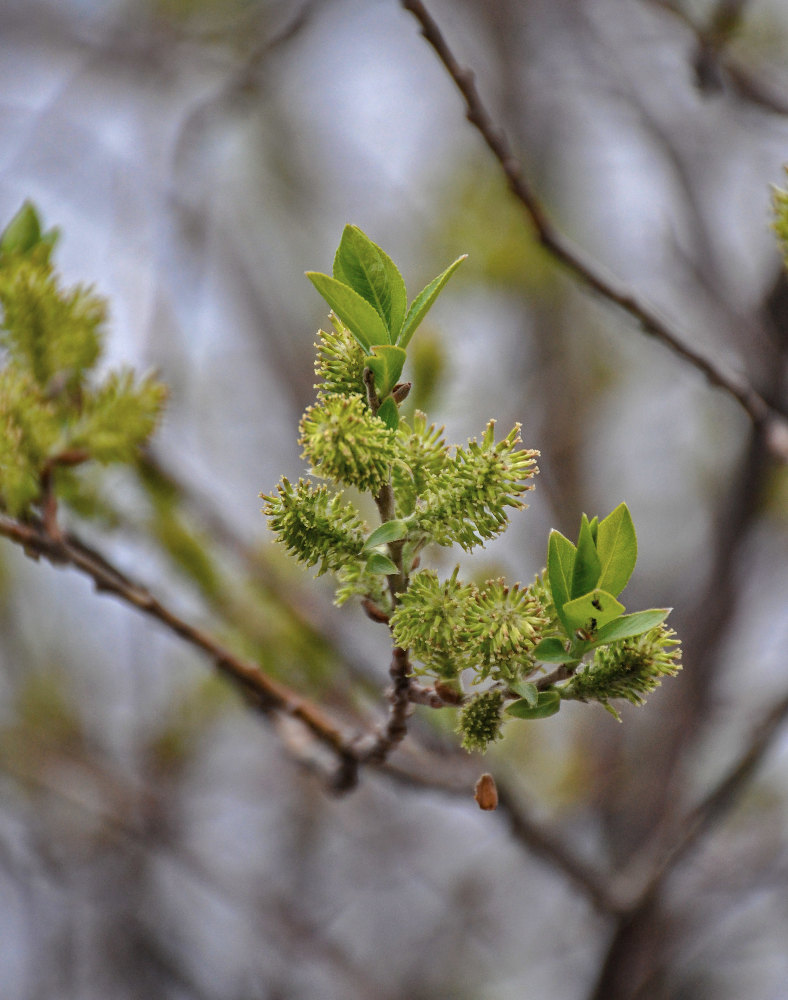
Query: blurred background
{"type": "Point", "coordinates": [156, 840]}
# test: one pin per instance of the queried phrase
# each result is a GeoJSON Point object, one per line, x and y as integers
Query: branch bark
{"type": "Point", "coordinates": [773, 423]}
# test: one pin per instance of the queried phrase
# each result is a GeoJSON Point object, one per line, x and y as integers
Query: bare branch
{"type": "Point", "coordinates": [716, 803]}
{"type": "Point", "coordinates": [265, 693]}
{"type": "Point", "coordinates": [589, 272]}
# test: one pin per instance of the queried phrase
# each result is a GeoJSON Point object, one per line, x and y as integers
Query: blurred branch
{"type": "Point", "coordinates": [635, 947]}
{"type": "Point", "coordinates": [266, 694]}
{"type": "Point", "coordinates": [717, 802]}
{"type": "Point", "coordinates": [769, 420]}
{"type": "Point", "coordinates": [715, 65]}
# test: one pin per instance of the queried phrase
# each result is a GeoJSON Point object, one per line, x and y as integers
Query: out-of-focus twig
{"type": "Point", "coordinates": [722, 797]}
{"type": "Point", "coordinates": [716, 65]}
{"type": "Point", "coordinates": [265, 693]}
{"type": "Point", "coordinates": [773, 423]}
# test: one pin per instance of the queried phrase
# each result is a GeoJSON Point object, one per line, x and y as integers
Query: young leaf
{"type": "Point", "coordinates": [628, 626]}
{"type": "Point", "coordinates": [22, 232]}
{"type": "Point", "coordinates": [369, 270]}
{"type": "Point", "coordinates": [358, 264]}
{"type": "Point", "coordinates": [561, 555]}
{"type": "Point", "coordinates": [548, 703]}
{"type": "Point", "coordinates": [420, 306]}
{"type": "Point", "coordinates": [380, 565]}
{"type": "Point", "coordinates": [617, 546]}
{"type": "Point", "coordinates": [587, 568]}
{"type": "Point", "coordinates": [526, 690]}
{"type": "Point", "coordinates": [399, 296]}
{"type": "Point", "coordinates": [355, 312]}
{"type": "Point", "coordinates": [386, 364]}
{"type": "Point", "coordinates": [390, 531]}
{"type": "Point", "coordinates": [389, 413]}
{"type": "Point", "coordinates": [593, 610]}
{"type": "Point", "coordinates": [551, 650]}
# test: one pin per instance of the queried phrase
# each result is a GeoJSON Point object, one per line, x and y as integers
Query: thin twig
{"type": "Point", "coordinates": [377, 749]}
{"type": "Point", "coordinates": [265, 693]}
{"type": "Point", "coordinates": [586, 270]}
{"type": "Point", "coordinates": [715, 804]}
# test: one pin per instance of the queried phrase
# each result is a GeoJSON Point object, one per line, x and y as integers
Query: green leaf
{"type": "Point", "coordinates": [628, 626]}
{"type": "Point", "coordinates": [421, 305]}
{"type": "Point", "coordinates": [617, 546]}
{"type": "Point", "coordinates": [386, 364]}
{"type": "Point", "coordinates": [369, 270]}
{"type": "Point", "coordinates": [358, 264]}
{"type": "Point", "coordinates": [527, 690]}
{"type": "Point", "coordinates": [390, 531]}
{"type": "Point", "coordinates": [380, 565]}
{"type": "Point", "coordinates": [551, 650]}
{"type": "Point", "coordinates": [548, 703]}
{"type": "Point", "coordinates": [389, 414]}
{"type": "Point", "coordinates": [355, 312]}
{"type": "Point", "coordinates": [22, 232]}
{"type": "Point", "coordinates": [561, 555]}
{"type": "Point", "coordinates": [592, 611]}
{"type": "Point", "coordinates": [587, 567]}
{"type": "Point", "coordinates": [399, 296]}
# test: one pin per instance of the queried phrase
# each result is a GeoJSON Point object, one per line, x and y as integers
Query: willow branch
{"type": "Point", "coordinates": [265, 693]}
{"type": "Point", "coordinates": [589, 272]}
{"type": "Point", "coordinates": [721, 798]}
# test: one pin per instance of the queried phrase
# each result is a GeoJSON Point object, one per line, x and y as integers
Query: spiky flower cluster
{"type": "Point", "coordinates": [629, 669]}
{"type": "Point", "coordinates": [452, 625]}
{"type": "Point", "coordinates": [492, 636]}
{"type": "Point", "coordinates": [480, 720]}
{"type": "Point", "coordinates": [430, 621]}
{"type": "Point", "coordinates": [345, 442]}
{"type": "Point", "coordinates": [423, 454]}
{"type": "Point", "coordinates": [340, 362]}
{"type": "Point", "coordinates": [503, 625]}
{"type": "Point", "coordinates": [464, 502]}
{"type": "Point", "coordinates": [53, 414]}
{"type": "Point", "coordinates": [314, 525]}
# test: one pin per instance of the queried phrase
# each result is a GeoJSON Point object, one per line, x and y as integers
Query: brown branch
{"type": "Point", "coordinates": [377, 749]}
{"type": "Point", "coordinates": [589, 272]}
{"type": "Point", "coordinates": [715, 804]}
{"type": "Point", "coordinates": [265, 693]}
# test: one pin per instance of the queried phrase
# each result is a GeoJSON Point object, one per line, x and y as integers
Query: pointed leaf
{"type": "Point", "coordinates": [389, 531]}
{"type": "Point", "coordinates": [420, 306]}
{"type": "Point", "coordinates": [526, 690]}
{"type": "Point", "coordinates": [380, 565]}
{"type": "Point", "coordinates": [22, 232]}
{"type": "Point", "coordinates": [355, 312]}
{"type": "Point", "coordinates": [592, 611]}
{"type": "Point", "coordinates": [399, 296]}
{"type": "Point", "coordinates": [587, 568]}
{"type": "Point", "coordinates": [628, 626]}
{"type": "Point", "coordinates": [359, 264]}
{"type": "Point", "coordinates": [561, 555]}
{"type": "Point", "coordinates": [551, 650]}
{"type": "Point", "coordinates": [617, 546]}
{"type": "Point", "coordinates": [388, 413]}
{"type": "Point", "coordinates": [386, 365]}
{"type": "Point", "coordinates": [548, 703]}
